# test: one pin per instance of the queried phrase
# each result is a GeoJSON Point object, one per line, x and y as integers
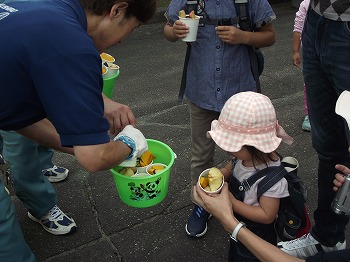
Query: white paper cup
{"type": "Point", "coordinates": [107, 58]}
{"type": "Point", "coordinates": [155, 164]}
{"type": "Point", "coordinates": [104, 71]}
{"type": "Point", "coordinates": [143, 169]}
{"type": "Point", "coordinates": [205, 174]}
{"type": "Point", "coordinates": [112, 70]}
{"type": "Point", "coordinates": [192, 24]}
{"type": "Point", "coordinates": [141, 174]}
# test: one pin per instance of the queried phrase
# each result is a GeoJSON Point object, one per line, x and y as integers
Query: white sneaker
{"type": "Point", "coordinates": [56, 173]}
{"type": "Point", "coordinates": [56, 222]}
{"type": "Point", "coordinates": [306, 246]}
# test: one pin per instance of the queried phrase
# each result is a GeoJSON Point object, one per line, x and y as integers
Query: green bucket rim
{"type": "Point", "coordinates": [113, 171]}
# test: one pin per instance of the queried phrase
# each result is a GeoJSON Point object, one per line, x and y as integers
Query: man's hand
{"type": "Point", "coordinates": [118, 115]}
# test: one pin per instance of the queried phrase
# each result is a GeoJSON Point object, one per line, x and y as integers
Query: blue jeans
{"type": "Point", "coordinates": [27, 160]}
{"type": "Point", "coordinates": [13, 247]}
{"type": "Point", "coordinates": [326, 69]}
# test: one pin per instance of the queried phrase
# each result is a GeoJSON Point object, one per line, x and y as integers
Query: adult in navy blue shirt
{"type": "Point", "coordinates": [51, 68]}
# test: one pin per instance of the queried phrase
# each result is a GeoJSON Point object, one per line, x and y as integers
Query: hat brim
{"type": "Point", "coordinates": [233, 142]}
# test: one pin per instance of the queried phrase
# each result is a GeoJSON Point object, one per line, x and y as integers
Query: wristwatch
{"type": "Point", "coordinates": [236, 229]}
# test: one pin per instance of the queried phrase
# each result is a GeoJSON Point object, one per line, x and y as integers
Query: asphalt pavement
{"type": "Point", "coordinates": [109, 230]}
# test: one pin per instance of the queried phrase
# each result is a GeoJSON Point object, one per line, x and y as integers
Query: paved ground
{"type": "Point", "coordinates": [108, 230]}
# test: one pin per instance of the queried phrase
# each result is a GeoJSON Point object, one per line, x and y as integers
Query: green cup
{"type": "Point", "coordinates": [109, 84]}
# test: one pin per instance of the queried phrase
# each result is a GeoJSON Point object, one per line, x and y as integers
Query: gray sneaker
{"type": "Point", "coordinates": [306, 246]}
{"type": "Point", "coordinates": [56, 222]}
{"type": "Point", "coordinates": [56, 173]}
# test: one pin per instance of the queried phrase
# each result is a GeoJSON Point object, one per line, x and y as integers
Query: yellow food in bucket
{"type": "Point", "coordinates": [104, 70]}
{"type": "Point", "coordinates": [107, 57]}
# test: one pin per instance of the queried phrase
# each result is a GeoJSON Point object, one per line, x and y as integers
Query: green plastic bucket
{"type": "Point", "coordinates": [109, 84]}
{"type": "Point", "coordinates": [146, 191]}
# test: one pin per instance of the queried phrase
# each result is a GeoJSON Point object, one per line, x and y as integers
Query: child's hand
{"type": "Point", "coordinates": [339, 178]}
{"type": "Point", "coordinates": [296, 60]}
{"type": "Point", "coordinates": [180, 29]}
{"type": "Point", "coordinates": [230, 34]}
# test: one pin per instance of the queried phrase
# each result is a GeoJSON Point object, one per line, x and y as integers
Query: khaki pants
{"type": "Point", "coordinates": [202, 148]}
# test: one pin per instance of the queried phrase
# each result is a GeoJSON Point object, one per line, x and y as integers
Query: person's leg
{"type": "Point", "coordinates": [52, 172]}
{"type": "Point", "coordinates": [13, 247]}
{"type": "Point", "coordinates": [305, 101]}
{"type": "Point", "coordinates": [36, 193]}
{"type": "Point", "coordinates": [326, 52]}
{"type": "Point", "coordinates": [45, 156]}
{"type": "Point", "coordinates": [326, 55]}
{"type": "Point", "coordinates": [202, 157]}
{"type": "Point", "coordinates": [1, 144]}
{"type": "Point", "coordinates": [306, 123]}
{"type": "Point", "coordinates": [202, 147]}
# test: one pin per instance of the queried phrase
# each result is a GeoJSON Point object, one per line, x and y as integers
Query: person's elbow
{"type": "Point", "coordinates": [268, 220]}
{"type": "Point", "coordinates": [270, 35]}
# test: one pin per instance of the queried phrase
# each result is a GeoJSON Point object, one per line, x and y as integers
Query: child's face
{"type": "Point", "coordinates": [242, 154]}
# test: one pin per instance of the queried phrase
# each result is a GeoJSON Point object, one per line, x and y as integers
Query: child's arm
{"type": "Point", "coordinates": [227, 171]}
{"type": "Point", "coordinates": [265, 213]}
{"type": "Point", "coordinates": [296, 47]}
{"type": "Point", "coordinates": [234, 36]}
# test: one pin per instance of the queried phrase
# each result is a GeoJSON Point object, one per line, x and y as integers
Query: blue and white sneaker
{"type": "Point", "coordinates": [56, 173]}
{"type": "Point", "coordinates": [56, 222]}
{"type": "Point", "coordinates": [197, 223]}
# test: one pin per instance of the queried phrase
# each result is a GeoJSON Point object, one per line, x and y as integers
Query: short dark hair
{"type": "Point", "coordinates": [143, 10]}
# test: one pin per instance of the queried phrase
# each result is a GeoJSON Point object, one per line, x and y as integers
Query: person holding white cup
{"type": "Point", "coordinates": [217, 66]}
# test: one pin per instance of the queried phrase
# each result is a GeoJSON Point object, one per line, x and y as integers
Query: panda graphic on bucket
{"type": "Point", "coordinates": [145, 191]}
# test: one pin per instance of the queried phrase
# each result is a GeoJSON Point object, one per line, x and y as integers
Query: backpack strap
{"type": "Point", "coordinates": [240, 187]}
{"type": "Point", "coordinates": [242, 9]}
{"type": "Point", "coordinates": [288, 164]}
{"type": "Point", "coordinates": [191, 5]}
{"type": "Point", "coordinates": [181, 94]}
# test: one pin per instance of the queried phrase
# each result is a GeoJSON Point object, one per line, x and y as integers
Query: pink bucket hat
{"type": "Point", "coordinates": [248, 118]}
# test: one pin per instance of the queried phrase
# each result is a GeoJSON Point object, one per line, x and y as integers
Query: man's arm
{"type": "Point", "coordinates": [92, 157]}
{"type": "Point", "coordinates": [44, 133]}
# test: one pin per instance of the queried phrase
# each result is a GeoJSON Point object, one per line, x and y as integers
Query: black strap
{"type": "Point", "coordinates": [288, 165]}
{"type": "Point", "coordinates": [247, 184]}
{"type": "Point", "coordinates": [242, 9]}
{"type": "Point", "coordinates": [254, 67]}
{"type": "Point", "coordinates": [184, 74]}
{"type": "Point", "coordinates": [209, 21]}
{"type": "Point", "coordinates": [275, 174]}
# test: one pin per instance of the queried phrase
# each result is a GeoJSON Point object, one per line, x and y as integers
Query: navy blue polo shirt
{"type": "Point", "coordinates": [50, 67]}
